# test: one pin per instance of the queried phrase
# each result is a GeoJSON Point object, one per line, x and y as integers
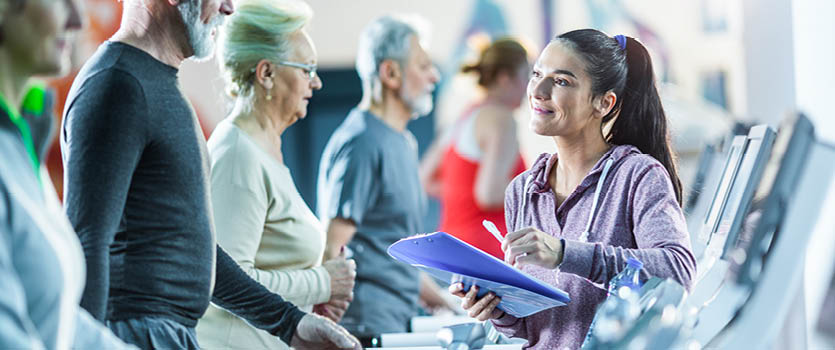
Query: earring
{"type": "Point", "coordinates": [269, 94]}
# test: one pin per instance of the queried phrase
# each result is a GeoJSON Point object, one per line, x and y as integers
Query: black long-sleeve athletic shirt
{"type": "Point", "coordinates": [136, 189]}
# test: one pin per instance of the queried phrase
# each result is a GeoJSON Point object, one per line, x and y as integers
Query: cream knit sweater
{"type": "Point", "coordinates": [263, 223]}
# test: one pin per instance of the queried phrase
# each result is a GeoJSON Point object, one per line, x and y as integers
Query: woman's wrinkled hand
{"type": "Point", "coordinates": [342, 272]}
{"type": "Point", "coordinates": [333, 310]}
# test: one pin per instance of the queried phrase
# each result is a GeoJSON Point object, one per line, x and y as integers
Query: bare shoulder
{"type": "Point", "coordinates": [495, 120]}
{"type": "Point", "coordinates": [491, 113]}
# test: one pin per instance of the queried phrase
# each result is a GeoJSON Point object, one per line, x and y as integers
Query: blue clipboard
{"type": "Point", "coordinates": [451, 259]}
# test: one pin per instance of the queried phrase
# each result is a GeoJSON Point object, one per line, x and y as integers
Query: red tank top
{"type": "Point", "coordinates": [460, 215]}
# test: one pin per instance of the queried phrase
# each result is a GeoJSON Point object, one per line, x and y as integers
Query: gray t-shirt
{"type": "Point", "coordinates": [369, 174]}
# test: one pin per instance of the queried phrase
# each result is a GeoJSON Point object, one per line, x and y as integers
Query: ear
{"type": "Point", "coordinates": [264, 72]}
{"type": "Point", "coordinates": [390, 73]}
{"type": "Point", "coordinates": [603, 104]}
{"type": "Point", "coordinates": [173, 2]}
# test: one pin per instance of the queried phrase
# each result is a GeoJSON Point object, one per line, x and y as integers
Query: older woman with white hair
{"type": "Point", "coordinates": [270, 66]}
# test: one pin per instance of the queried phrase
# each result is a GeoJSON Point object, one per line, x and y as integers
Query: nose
{"type": "Point", "coordinates": [316, 83]}
{"type": "Point", "coordinates": [227, 7]}
{"type": "Point", "coordinates": [539, 89]}
{"type": "Point", "coordinates": [74, 21]}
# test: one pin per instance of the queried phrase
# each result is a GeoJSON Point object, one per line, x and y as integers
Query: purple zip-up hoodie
{"type": "Point", "coordinates": [637, 216]}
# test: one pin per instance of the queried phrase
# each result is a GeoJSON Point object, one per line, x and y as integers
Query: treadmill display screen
{"type": "Point", "coordinates": [788, 156]}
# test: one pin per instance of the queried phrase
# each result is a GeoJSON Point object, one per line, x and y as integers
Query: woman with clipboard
{"type": "Point", "coordinates": [610, 192]}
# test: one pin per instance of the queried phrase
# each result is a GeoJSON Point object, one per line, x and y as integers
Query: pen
{"type": "Point", "coordinates": [491, 227]}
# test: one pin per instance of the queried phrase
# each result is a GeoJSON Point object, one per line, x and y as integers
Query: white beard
{"type": "Point", "coordinates": [199, 34]}
{"type": "Point", "coordinates": [420, 105]}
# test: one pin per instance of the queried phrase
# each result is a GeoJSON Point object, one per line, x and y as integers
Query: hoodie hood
{"type": "Point", "coordinates": [545, 162]}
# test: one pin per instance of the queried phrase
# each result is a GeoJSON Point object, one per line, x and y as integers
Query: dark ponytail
{"type": "Point", "coordinates": [639, 116]}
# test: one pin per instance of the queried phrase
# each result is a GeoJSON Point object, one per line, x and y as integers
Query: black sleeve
{"type": "Point", "coordinates": [237, 292]}
{"type": "Point", "coordinates": [102, 140]}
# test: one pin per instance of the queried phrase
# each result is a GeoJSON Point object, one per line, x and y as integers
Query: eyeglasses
{"type": "Point", "coordinates": [309, 69]}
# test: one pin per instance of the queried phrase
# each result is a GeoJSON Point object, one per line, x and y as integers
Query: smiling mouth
{"type": "Point", "coordinates": [540, 110]}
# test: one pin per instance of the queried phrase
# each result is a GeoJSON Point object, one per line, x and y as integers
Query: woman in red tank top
{"type": "Point", "coordinates": [469, 168]}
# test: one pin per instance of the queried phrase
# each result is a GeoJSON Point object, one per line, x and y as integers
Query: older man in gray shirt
{"type": "Point", "coordinates": [368, 185]}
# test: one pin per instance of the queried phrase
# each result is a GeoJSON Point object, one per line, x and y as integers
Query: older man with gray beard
{"type": "Point", "coordinates": [368, 177]}
{"type": "Point", "coordinates": [137, 190]}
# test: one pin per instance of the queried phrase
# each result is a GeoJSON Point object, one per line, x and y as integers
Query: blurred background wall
{"type": "Point", "coordinates": [697, 46]}
{"type": "Point", "coordinates": [717, 63]}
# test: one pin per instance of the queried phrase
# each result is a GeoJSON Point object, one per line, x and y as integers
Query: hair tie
{"type": "Point", "coordinates": [621, 41]}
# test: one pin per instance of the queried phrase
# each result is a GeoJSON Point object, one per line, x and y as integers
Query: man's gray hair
{"type": "Point", "coordinates": [384, 38]}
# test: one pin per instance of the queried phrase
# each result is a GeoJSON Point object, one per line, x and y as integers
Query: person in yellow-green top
{"type": "Point", "coordinates": [41, 262]}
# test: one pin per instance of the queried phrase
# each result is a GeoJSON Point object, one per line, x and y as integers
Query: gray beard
{"type": "Point", "coordinates": [420, 105]}
{"type": "Point", "coordinates": [198, 34]}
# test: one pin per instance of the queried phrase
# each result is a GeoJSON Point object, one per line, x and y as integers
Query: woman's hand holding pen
{"type": "Point", "coordinates": [532, 246]}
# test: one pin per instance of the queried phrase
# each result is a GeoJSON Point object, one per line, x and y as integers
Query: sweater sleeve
{"type": "Point", "coordinates": [300, 287]}
{"type": "Point", "coordinates": [243, 296]}
{"type": "Point", "coordinates": [511, 326]}
{"type": "Point", "coordinates": [239, 218]}
{"type": "Point", "coordinates": [660, 233]}
{"type": "Point", "coordinates": [101, 143]}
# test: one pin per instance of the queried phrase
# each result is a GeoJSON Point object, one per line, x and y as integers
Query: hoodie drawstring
{"type": "Point", "coordinates": [584, 237]}
{"type": "Point", "coordinates": [521, 212]}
